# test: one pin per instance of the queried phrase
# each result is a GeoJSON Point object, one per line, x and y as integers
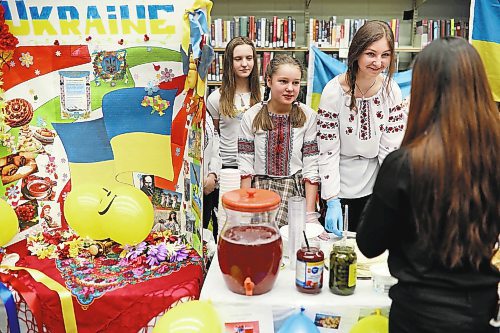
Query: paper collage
{"type": "Point", "coordinates": [102, 92]}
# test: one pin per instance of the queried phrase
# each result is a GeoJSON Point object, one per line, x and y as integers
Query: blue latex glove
{"type": "Point", "coordinates": [334, 221]}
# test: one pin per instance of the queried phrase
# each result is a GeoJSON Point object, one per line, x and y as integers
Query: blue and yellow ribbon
{"type": "Point", "coordinates": [10, 307]}
{"type": "Point", "coordinates": [198, 4]}
{"type": "Point", "coordinates": [65, 297]}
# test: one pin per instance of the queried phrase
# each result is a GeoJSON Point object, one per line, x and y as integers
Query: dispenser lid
{"type": "Point", "coordinates": [251, 200]}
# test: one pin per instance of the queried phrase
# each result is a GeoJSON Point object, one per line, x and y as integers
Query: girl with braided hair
{"type": "Point", "coordinates": [361, 120]}
{"type": "Point", "coordinates": [277, 145]}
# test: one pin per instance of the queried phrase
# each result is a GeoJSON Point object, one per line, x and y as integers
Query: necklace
{"type": "Point", "coordinates": [242, 101]}
{"type": "Point", "coordinates": [367, 90]}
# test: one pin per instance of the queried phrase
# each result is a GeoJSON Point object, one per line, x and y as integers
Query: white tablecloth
{"type": "Point", "coordinates": [284, 299]}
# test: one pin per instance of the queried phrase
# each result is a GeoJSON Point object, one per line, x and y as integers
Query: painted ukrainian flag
{"type": "Point", "coordinates": [140, 139]}
{"type": "Point", "coordinates": [485, 36]}
{"type": "Point", "coordinates": [322, 68]}
{"type": "Point", "coordinates": [89, 152]}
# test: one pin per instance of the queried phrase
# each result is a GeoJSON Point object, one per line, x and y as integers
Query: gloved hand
{"type": "Point", "coordinates": [334, 221]}
{"type": "Point", "coordinates": [312, 217]}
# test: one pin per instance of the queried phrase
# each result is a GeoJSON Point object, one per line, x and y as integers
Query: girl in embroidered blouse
{"type": "Point", "coordinates": [240, 89]}
{"type": "Point", "coordinates": [361, 120]}
{"type": "Point", "coordinates": [277, 146]}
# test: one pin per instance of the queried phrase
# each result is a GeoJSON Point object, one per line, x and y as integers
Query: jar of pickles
{"type": "Point", "coordinates": [342, 269]}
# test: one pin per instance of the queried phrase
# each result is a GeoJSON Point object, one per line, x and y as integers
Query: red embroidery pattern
{"type": "Point", "coordinates": [245, 146]}
{"type": "Point", "coordinates": [364, 118]}
{"type": "Point", "coordinates": [279, 146]}
{"type": "Point", "coordinates": [396, 118]}
{"type": "Point", "coordinates": [310, 148]}
{"type": "Point", "coordinates": [396, 108]}
{"type": "Point", "coordinates": [329, 136]}
{"type": "Point", "coordinates": [327, 121]}
{"type": "Point", "coordinates": [394, 129]}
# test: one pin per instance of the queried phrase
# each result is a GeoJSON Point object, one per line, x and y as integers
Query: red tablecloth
{"type": "Point", "coordinates": [109, 298]}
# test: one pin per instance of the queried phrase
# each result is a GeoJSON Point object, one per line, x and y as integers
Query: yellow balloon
{"type": "Point", "coordinates": [81, 210]}
{"type": "Point", "coordinates": [190, 317]}
{"type": "Point", "coordinates": [128, 215]}
{"type": "Point", "coordinates": [9, 224]}
{"type": "Point", "coordinates": [372, 324]}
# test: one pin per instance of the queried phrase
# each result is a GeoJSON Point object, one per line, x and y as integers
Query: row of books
{"type": "Point", "coordinates": [427, 30]}
{"type": "Point", "coordinates": [217, 67]}
{"type": "Point", "coordinates": [264, 32]}
{"type": "Point", "coordinates": [330, 33]}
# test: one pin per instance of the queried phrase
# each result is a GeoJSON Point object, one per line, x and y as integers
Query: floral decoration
{"type": "Point", "coordinates": [160, 254]}
{"type": "Point", "coordinates": [167, 75]}
{"type": "Point", "coordinates": [7, 40]}
{"type": "Point", "coordinates": [158, 247]}
{"type": "Point", "coordinates": [12, 192]}
{"type": "Point", "coordinates": [26, 59]}
{"type": "Point", "coordinates": [151, 88]}
{"type": "Point", "coordinates": [56, 244]}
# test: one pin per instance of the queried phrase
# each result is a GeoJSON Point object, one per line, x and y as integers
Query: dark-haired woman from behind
{"type": "Point", "coordinates": [435, 203]}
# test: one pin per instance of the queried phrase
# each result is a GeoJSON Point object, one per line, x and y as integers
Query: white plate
{"type": "Point", "coordinates": [312, 230]}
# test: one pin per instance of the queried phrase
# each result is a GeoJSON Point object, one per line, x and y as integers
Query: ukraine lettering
{"type": "Point", "coordinates": [99, 19]}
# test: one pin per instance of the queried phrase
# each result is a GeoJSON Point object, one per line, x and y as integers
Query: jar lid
{"type": "Point", "coordinates": [251, 200]}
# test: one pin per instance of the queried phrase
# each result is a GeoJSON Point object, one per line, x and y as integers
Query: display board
{"type": "Point", "coordinates": [103, 92]}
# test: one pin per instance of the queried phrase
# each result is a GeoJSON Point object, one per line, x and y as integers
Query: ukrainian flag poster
{"type": "Point", "coordinates": [96, 92]}
{"type": "Point", "coordinates": [485, 36]}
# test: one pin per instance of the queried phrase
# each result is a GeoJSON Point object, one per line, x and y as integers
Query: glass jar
{"type": "Point", "coordinates": [309, 270]}
{"type": "Point", "coordinates": [343, 262]}
{"type": "Point", "coordinates": [250, 246]}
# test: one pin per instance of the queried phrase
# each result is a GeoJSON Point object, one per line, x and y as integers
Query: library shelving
{"type": "Point", "coordinates": [293, 26]}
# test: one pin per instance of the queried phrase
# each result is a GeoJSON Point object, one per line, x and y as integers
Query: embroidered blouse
{"type": "Point", "coordinates": [281, 152]}
{"type": "Point", "coordinates": [211, 154]}
{"type": "Point", "coordinates": [353, 144]}
{"type": "Point", "coordinates": [228, 127]}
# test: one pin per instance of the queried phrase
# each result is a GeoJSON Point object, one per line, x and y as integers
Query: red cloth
{"type": "Point", "coordinates": [126, 309]}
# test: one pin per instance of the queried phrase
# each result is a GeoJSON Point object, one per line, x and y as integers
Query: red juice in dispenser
{"type": "Point", "coordinates": [250, 254]}
{"type": "Point", "coordinates": [250, 246]}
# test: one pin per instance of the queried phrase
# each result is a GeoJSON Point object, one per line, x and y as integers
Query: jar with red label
{"type": "Point", "coordinates": [309, 270]}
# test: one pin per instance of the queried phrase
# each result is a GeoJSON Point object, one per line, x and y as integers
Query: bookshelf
{"type": "Point", "coordinates": [407, 12]}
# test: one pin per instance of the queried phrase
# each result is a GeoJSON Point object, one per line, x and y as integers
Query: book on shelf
{"type": "Point", "coordinates": [328, 33]}
{"type": "Point", "coordinates": [265, 32]}
{"type": "Point", "coordinates": [426, 30]}
{"type": "Point", "coordinates": [215, 70]}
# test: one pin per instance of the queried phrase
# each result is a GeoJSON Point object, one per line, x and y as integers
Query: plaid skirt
{"type": "Point", "coordinates": [286, 187]}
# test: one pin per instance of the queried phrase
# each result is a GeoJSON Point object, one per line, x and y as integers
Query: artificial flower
{"type": "Point", "coordinates": [156, 254]}
{"type": "Point", "coordinates": [151, 88]}
{"type": "Point", "coordinates": [26, 59]}
{"type": "Point", "coordinates": [167, 75]}
{"type": "Point", "coordinates": [136, 251]}
{"type": "Point", "coordinates": [12, 192]}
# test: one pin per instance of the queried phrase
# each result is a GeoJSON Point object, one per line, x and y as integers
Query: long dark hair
{"type": "Point", "coordinates": [368, 34]}
{"type": "Point", "coordinates": [228, 86]}
{"type": "Point", "coordinates": [453, 142]}
{"type": "Point", "coordinates": [297, 115]}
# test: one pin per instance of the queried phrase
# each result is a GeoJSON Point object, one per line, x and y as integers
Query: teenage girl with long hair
{"type": "Point", "coordinates": [435, 204]}
{"type": "Point", "coordinates": [240, 89]}
{"type": "Point", "coordinates": [361, 120]}
{"type": "Point", "coordinates": [277, 147]}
